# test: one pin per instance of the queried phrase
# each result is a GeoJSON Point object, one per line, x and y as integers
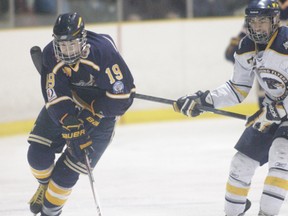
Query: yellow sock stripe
{"type": "Point", "coordinates": [57, 195]}
{"type": "Point", "coordinates": [236, 190]}
{"type": "Point", "coordinates": [58, 189]}
{"type": "Point", "coordinates": [277, 182]}
{"type": "Point", "coordinates": [42, 174]}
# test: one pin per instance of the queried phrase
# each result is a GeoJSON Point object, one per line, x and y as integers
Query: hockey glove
{"type": "Point", "coordinates": [89, 118]}
{"type": "Point", "coordinates": [77, 140]}
{"type": "Point", "coordinates": [187, 105]}
{"type": "Point", "coordinates": [264, 118]}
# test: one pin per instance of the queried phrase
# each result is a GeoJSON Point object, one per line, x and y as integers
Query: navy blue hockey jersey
{"type": "Point", "coordinates": [102, 77]}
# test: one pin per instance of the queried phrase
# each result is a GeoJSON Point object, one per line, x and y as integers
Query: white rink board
{"type": "Point", "coordinates": [168, 59]}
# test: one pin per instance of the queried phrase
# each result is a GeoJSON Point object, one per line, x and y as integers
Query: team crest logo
{"type": "Point", "coordinates": [272, 83]}
{"type": "Point", "coordinates": [118, 87]}
{"type": "Point", "coordinates": [276, 83]}
{"type": "Point", "coordinates": [51, 94]}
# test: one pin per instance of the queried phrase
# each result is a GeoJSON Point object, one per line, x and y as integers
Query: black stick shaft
{"type": "Point", "coordinates": [154, 99]}
{"type": "Point", "coordinates": [36, 55]}
{"type": "Point", "coordinates": [202, 108]}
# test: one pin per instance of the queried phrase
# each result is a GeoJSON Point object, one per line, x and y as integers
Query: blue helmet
{"type": "Point", "coordinates": [69, 37]}
{"type": "Point", "coordinates": [259, 12]}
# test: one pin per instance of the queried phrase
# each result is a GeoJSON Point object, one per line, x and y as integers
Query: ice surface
{"type": "Point", "coordinates": [159, 169]}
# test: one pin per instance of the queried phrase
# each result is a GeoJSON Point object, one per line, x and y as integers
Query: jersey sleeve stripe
{"type": "Point", "coordinates": [233, 90]}
{"type": "Point", "coordinates": [120, 96]}
{"type": "Point", "coordinates": [57, 101]}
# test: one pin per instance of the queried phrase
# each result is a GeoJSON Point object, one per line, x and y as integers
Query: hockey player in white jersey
{"type": "Point", "coordinates": [262, 54]}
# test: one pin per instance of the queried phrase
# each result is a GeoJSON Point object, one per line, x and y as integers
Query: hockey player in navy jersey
{"type": "Point", "coordinates": [86, 85]}
{"type": "Point", "coordinates": [262, 54]}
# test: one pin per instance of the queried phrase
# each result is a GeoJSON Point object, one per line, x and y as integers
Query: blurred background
{"type": "Point", "coordinates": [172, 47]}
{"type": "Point", "coordinates": [24, 13]}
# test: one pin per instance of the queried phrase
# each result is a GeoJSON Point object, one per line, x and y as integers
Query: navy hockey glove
{"type": "Point", "coordinates": [187, 105]}
{"type": "Point", "coordinates": [77, 139]}
{"type": "Point", "coordinates": [264, 118]}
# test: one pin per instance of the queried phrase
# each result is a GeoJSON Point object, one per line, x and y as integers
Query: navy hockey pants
{"type": "Point", "coordinates": [256, 144]}
{"type": "Point", "coordinates": [46, 140]}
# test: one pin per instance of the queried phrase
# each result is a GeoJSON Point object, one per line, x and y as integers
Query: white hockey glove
{"type": "Point", "coordinates": [264, 118]}
{"type": "Point", "coordinates": [187, 105]}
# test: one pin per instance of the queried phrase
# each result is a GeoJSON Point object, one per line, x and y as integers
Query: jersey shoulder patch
{"type": "Point", "coordinates": [245, 45]}
{"type": "Point", "coordinates": [280, 44]}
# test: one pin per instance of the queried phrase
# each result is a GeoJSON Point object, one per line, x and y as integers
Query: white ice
{"type": "Point", "coordinates": [158, 169]}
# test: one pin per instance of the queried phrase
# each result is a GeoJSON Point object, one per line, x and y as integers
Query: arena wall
{"type": "Point", "coordinates": [168, 59]}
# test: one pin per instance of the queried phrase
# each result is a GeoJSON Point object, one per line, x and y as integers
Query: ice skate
{"type": "Point", "coordinates": [247, 206]}
{"type": "Point", "coordinates": [36, 201]}
{"type": "Point", "coordinates": [263, 214]}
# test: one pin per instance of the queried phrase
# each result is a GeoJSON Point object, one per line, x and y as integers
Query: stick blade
{"type": "Point", "coordinates": [36, 55]}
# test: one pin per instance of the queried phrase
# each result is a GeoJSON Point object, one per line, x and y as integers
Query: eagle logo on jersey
{"type": "Point", "coordinates": [275, 83]}
{"type": "Point", "coordinates": [272, 83]}
{"type": "Point", "coordinates": [90, 82]}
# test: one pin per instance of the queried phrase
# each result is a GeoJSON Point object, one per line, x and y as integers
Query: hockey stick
{"type": "Point", "coordinates": [36, 55]}
{"type": "Point", "coordinates": [202, 108]}
{"type": "Point", "coordinates": [92, 181]}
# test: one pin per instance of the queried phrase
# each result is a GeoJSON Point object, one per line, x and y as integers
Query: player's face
{"type": "Point", "coordinates": [260, 25]}
{"type": "Point", "coordinates": [70, 48]}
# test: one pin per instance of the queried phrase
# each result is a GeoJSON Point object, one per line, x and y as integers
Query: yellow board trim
{"type": "Point", "coordinates": [17, 127]}
{"type": "Point", "coordinates": [134, 116]}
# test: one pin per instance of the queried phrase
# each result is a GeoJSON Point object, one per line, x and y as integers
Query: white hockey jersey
{"type": "Point", "coordinates": [269, 67]}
